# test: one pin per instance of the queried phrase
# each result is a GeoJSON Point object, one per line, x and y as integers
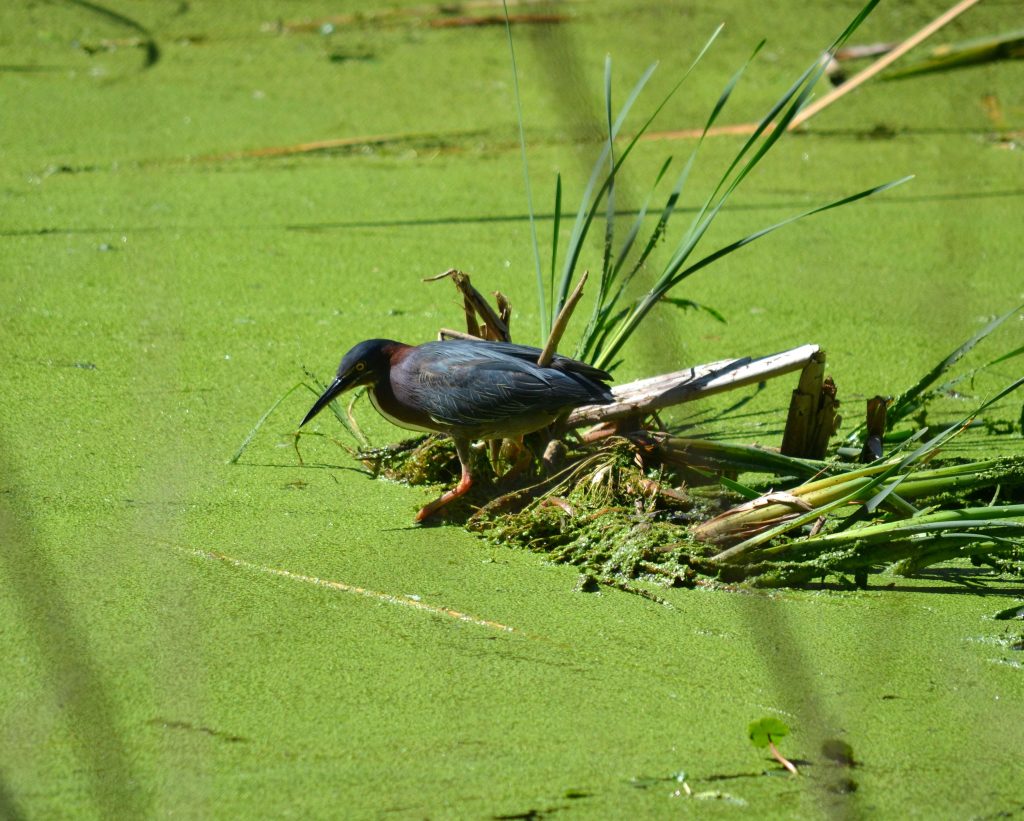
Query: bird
{"type": "Point", "coordinates": [468, 389]}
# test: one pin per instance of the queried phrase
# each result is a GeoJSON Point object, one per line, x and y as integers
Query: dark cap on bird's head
{"type": "Point", "coordinates": [362, 365]}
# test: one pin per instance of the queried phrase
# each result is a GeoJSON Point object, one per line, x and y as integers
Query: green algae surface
{"type": "Point", "coordinates": [184, 636]}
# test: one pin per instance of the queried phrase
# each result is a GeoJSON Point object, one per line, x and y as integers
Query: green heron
{"type": "Point", "coordinates": [468, 389]}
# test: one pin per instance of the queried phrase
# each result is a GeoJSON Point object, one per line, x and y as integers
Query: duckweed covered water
{"type": "Point", "coordinates": [268, 638]}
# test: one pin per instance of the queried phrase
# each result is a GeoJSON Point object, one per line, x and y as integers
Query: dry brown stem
{"type": "Point", "coordinates": [561, 321]}
{"type": "Point", "coordinates": [812, 412]}
{"type": "Point", "coordinates": [475, 304]}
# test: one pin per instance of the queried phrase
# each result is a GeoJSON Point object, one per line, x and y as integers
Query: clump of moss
{"type": "Point", "coordinates": [606, 514]}
{"type": "Point", "coordinates": [422, 461]}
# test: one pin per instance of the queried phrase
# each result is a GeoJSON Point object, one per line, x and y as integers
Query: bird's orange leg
{"type": "Point", "coordinates": [465, 482]}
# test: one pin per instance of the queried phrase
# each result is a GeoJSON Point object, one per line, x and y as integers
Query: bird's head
{"type": "Point", "coordinates": [365, 364]}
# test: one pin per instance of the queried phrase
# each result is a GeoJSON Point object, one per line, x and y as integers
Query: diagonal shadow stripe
{"type": "Point", "coordinates": [62, 645]}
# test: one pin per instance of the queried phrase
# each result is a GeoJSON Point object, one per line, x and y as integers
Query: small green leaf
{"type": "Point", "coordinates": [766, 730]}
{"type": "Point", "coordinates": [737, 487]}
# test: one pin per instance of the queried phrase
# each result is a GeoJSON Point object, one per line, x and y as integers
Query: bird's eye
{"type": "Point", "coordinates": [360, 366]}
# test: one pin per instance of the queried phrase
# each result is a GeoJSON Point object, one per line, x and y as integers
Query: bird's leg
{"type": "Point", "coordinates": [462, 448]}
{"type": "Point", "coordinates": [494, 448]}
{"type": "Point", "coordinates": [522, 459]}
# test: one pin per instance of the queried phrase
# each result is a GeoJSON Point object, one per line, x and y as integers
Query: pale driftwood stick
{"type": "Point", "coordinates": [560, 323]}
{"type": "Point", "coordinates": [648, 395]}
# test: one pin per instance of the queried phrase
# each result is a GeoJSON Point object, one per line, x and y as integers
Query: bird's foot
{"type": "Point", "coordinates": [459, 490]}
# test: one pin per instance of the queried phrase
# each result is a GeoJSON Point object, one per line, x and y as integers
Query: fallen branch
{"type": "Point", "coordinates": [645, 396]}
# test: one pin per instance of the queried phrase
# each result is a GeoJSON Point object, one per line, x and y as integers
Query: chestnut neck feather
{"type": "Point", "coordinates": [382, 394]}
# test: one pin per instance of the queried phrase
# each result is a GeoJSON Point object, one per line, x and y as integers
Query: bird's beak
{"type": "Point", "coordinates": [334, 390]}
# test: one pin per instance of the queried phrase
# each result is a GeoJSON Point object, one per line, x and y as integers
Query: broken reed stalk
{"type": "Point", "coordinates": [875, 429]}
{"type": "Point", "coordinates": [645, 396]}
{"type": "Point", "coordinates": [561, 322]}
{"type": "Point", "coordinates": [494, 327]}
{"type": "Point", "coordinates": [772, 509]}
{"type": "Point", "coordinates": [812, 415]}
{"type": "Point", "coordinates": [954, 522]}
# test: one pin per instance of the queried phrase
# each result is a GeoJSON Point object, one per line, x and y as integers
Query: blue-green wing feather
{"type": "Point", "coordinates": [468, 383]}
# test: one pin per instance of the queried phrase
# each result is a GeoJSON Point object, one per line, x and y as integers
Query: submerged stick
{"type": "Point", "coordinates": [744, 129]}
{"type": "Point", "coordinates": [881, 63]}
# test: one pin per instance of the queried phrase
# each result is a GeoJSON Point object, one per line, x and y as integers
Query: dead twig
{"type": "Point", "coordinates": [475, 304]}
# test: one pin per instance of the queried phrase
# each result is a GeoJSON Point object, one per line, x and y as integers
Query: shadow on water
{"type": "Point", "coordinates": [9, 810]}
{"type": "Point", "coordinates": [63, 648]}
{"type": "Point", "coordinates": [464, 219]}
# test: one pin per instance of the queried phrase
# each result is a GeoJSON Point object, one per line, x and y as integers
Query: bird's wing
{"type": "Point", "coordinates": [562, 363]}
{"type": "Point", "coordinates": [475, 385]}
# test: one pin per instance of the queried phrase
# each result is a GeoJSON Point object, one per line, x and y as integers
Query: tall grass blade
{"type": "Point", "coordinates": [1004, 357]}
{"type": "Point", "coordinates": [259, 424]}
{"type": "Point", "coordinates": [609, 211]}
{"type": "Point", "coordinates": [675, 276]}
{"type": "Point", "coordinates": [590, 201]}
{"type": "Point", "coordinates": [555, 231]}
{"type": "Point", "coordinates": [544, 328]}
{"type": "Point", "coordinates": [634, 230]}
{"type": "Point", "coordinates": [906, 402]}
{"type": "Point", "coordinates": [769, 130]}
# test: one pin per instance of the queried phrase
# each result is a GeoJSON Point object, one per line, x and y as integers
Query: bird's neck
{"type": "Point", "coordinates": [382, 396]}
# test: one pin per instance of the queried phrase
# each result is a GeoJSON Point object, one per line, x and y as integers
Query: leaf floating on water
{"type": "Point", "coordinates": [764, 730]}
